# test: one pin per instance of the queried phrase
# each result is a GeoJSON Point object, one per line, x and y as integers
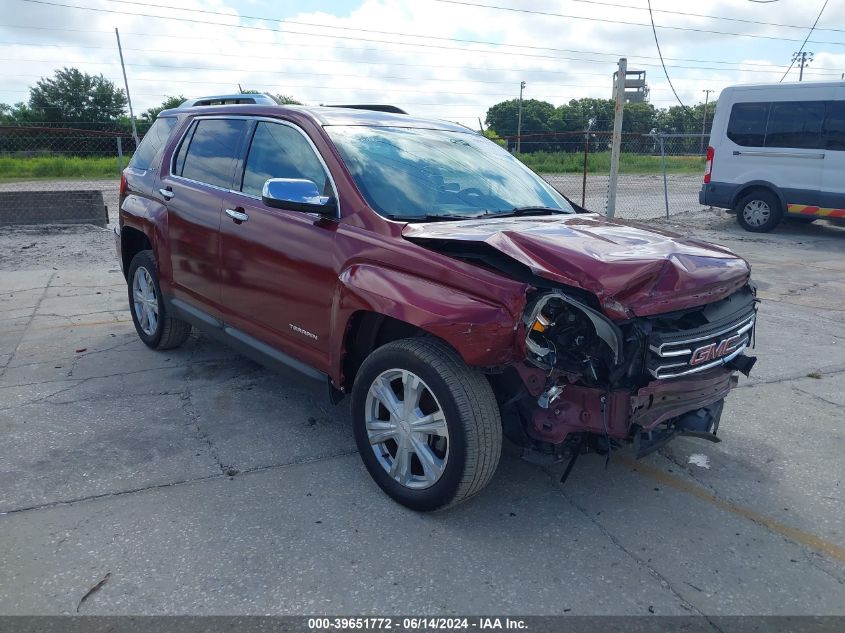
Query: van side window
{"type": "Point", "coordinates": [153, 141]}
{"type": "Point", "coordinates": [834, 126]}
{"type": "Point", "coordinates": [796, 124]}
{"type": "Point", "coordinates": [747, 124]}
{"type": "Point", "coordinates": [279, 151]}
{"type": "Point", "coordinates": [214, 147]}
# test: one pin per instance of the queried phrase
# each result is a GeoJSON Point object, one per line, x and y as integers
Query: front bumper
{"type": "Point", "coordinates": [592, 410]}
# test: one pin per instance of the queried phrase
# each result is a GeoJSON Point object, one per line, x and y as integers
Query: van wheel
{"type": "Point", "coordinates": [154, 327]}
{"type": "Point", "coordinates": [427, 426]}
{"type": "Point", "coordinates": [759, 211]}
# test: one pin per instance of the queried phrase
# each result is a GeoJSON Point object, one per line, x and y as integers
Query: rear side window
{"type": "Point", "coordinates": [209, 151]}
{"type": "Point", "coordinates": [834, 126]}
{"type": "Point", "coordinates": [747, 124]}
{"type": "Point", "coordinates": [796, 124]}
{"type": "Point", "coordinates": [153, 141]}
{"type": "Point", "coordinates": [279, 151]}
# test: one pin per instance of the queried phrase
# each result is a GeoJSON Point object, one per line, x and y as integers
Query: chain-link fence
{"type": "Point", "coordinates": [65, 170]}
{"type": "Point", "coordinates": [659, 174]}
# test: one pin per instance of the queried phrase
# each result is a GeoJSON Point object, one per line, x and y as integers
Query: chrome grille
{"type": "Point", "coordinates": [684, 353]}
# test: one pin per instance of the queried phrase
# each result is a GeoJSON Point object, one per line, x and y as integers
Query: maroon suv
{"type": "Point", "coordinates": [420, 267]}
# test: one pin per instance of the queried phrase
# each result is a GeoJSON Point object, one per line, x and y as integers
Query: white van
{"type": "Point", "coordinates": [777, 150]}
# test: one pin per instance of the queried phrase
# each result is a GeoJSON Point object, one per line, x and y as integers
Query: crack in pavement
{"type": "Point", "coordinates": [652, 571]}
{"type": "Point", "coordinates": [172, 484]}
{"type": "Point", "coordinates": [31, 318]}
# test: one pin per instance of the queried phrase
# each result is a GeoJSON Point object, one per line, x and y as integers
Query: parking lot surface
{"type": "Point", "coordinates": [196, 482]}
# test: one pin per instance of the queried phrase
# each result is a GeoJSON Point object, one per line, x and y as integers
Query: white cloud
{"type": "Point", "coordinates": [448, 79]}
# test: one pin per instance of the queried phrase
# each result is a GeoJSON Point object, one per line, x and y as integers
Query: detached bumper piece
{"type": "Point", "coordinates": [701, 423]}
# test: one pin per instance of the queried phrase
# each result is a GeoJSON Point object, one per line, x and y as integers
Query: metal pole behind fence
{"type": "Point", "coordinates": [663, 165]}
{"type": "Point", "coordinates": [584, 181]}
{"type": "Point", "coordinates": [120, 154]}
{"type": "Point", "coordinates": [126, 83]}
{"type": "Point", "coordinates": [618, 111]}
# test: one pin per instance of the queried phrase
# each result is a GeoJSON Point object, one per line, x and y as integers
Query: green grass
{"type": "Point", "coordinates": [599, 163]}
{"type": "Point", "coordinates": [60, 167]}
{"type": "Point", "coordinates": [543, 162]}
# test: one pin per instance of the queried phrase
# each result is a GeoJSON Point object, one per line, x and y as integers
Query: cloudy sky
{"type": "Point", "coordinates": [440, 58]}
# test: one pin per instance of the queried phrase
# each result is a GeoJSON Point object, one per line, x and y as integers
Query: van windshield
{"type": "Point", "coordinates": [423, 174]}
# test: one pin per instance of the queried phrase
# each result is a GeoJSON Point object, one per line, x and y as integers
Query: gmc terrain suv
{"type": "Point", "coordinates": [422, 269]}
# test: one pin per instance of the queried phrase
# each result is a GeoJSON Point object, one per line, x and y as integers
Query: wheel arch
{"type": "Point", "coordinates": [375, 305]}
{"type": "Point", "coordinates": [132, 242]}
{"type": "Point", "coordinates": [754, 185]}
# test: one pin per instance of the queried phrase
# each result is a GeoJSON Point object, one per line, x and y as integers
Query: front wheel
{"type": "Point", "coordinates": [759, 212]}
{"type": "Point", "coordinates": [427, 426]}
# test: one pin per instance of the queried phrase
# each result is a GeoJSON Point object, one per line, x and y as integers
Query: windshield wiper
{"type": "Point", "coordinates": [520, 211]}
{"type": "Point", "coordinates": [430, 217]}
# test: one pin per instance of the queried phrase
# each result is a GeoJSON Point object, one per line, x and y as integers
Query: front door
{"type": "Point", "coordinates": [278, 267]}
{"type": "Point", "coordinates": [833, 184]}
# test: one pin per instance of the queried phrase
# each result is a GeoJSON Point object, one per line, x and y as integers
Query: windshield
{"type": "Point", "coordinates": [419, 174]}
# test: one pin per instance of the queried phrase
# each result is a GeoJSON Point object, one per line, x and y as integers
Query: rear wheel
{"type": "Point", "coordinates": [759, 211]}
{"type": "Point", "coordinates": [427, 426]}
{"type": "Point", "coordinates": [153, 324]}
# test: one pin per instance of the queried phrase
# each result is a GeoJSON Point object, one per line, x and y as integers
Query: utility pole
{"type": "Point", "coordinates": [616, 143]}
{"type": "Point", "coordinates": [126, 83]}
{"type": "Point", "coordinates": [704, 118]}
{"type": "Point", "coordinates": [519, 120]}
{"type": "Point", "coordinates": [802, 58]}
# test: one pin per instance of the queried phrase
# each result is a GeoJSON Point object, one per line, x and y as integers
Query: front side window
{"type": "Point", "coordinates": [153, 141]}
{"type": "Point", "coordinates": [280, 151]}
{"type": "Point", "coordinates": [796, 124]}
{"type": "Point", "coordinates": [209, 151]}
{"type": "Point", "coordinates": [409, 173]}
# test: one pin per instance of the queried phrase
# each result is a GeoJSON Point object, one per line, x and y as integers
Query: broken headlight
{"type": "Point", "coordinates": [564, 334]}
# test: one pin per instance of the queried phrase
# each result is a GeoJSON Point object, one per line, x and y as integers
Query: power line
{"type": "Point", "coordinates": [243, 26]}
{"type": "Point", "coordinates": [636, 8]}
{"type": "Point", "coordinates": [806, 39]}
{"type": "Point", "coordinates": [657, 43]}
{"type": "Point", "coordinates": [627, 23]}
{"type": "Point", "coordinates": [742, 68]}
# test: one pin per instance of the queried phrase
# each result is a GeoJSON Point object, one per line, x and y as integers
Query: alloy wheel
{"type": "Point", "coordinates": [407, 429]}
{"type": "Point", "coordinates": [145, 301]}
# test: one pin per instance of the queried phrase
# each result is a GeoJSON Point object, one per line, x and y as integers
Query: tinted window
{"type": "Point", "coordinates": [153, 141]}
{"type": "Point", "coordinates": [212, 150]}
{"type": "Point", "coordinates": [179, 163]}
{"type": "Point", "coordinates": [834, 126]}
{"type": "Point", "coordinates": [796, 124]}
{"type": "Point", "coordinates": [279, 151]}
{"type": "Point", "coordinates": [747, 124]}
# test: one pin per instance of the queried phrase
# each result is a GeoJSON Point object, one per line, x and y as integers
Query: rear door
{"type": "Point", "coordinates": [202, 169]}
{"type": "Point", "coordinates": [279, 268]}
{"type": "Point", "coordinates": [833, 179]}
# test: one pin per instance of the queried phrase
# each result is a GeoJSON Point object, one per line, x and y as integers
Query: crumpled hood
{"type": "Point", "coordinates": [633, 270]}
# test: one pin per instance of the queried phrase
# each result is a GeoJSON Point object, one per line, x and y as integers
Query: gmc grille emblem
{"type": "Point", "coordinates": [714, 351]}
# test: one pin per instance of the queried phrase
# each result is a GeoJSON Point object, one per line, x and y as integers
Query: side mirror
{"type": "Point", "coordinates": [297, 194]}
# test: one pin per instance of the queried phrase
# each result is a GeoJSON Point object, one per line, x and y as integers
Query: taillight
{"type": "Point", "coordinates": [122, 190]}
{"type": "Point", "coordinates": [708, 166]}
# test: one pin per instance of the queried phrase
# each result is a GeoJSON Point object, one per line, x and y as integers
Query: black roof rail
{"type": "Point", "coordinates": [367, 106]}
{"type": "Point", "coordinates": [229, 100]}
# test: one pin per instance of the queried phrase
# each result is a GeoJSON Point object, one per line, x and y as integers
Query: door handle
{"type": "Point", "coordinates": [167, 194]}
{"type": "Point", "coordinates": [237, 216]}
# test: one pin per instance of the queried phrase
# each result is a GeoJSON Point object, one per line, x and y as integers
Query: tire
{"type": "Point", "coordinates": [154, 326]}
{"type": "Point", "coordinates": [759, 211]}
{"type": "Point", "coordinates": [463, 449]}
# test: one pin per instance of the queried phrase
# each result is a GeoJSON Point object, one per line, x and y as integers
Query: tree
{"type": "Point", "coordinates": [536, 119]}
{"type": "Point", "coordinates": [149, 115]}
{"type": "Point", "coordinates": [15, 114]}
{"type": "Point", "coordinates": [77, 97]}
